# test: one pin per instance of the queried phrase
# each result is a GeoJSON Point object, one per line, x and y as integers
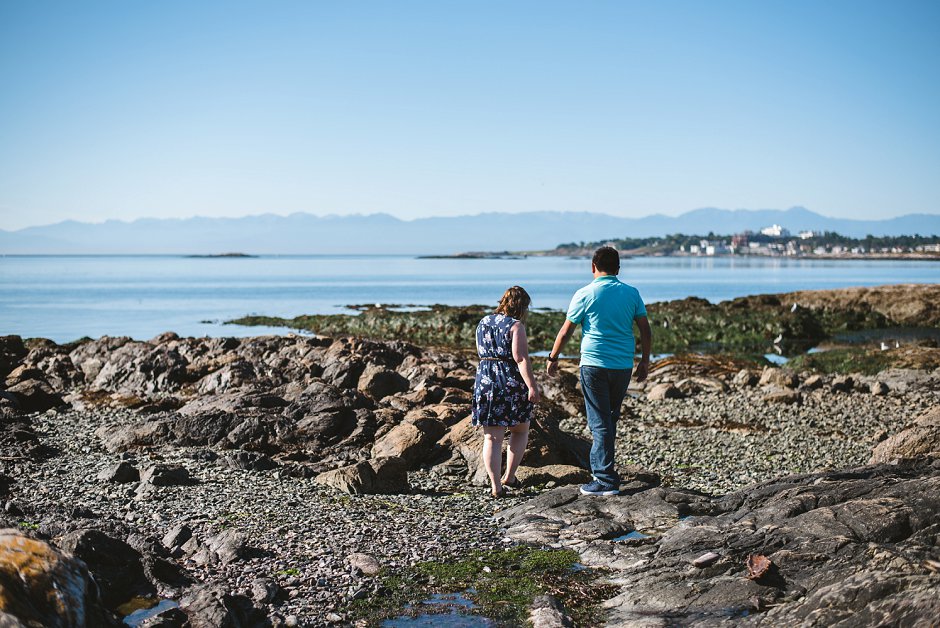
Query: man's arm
{"type": "Point", "coordinates": [646, 346]}
{"type": "Point", "coordinates": [563, 335]}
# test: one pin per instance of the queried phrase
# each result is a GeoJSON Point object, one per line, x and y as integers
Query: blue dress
{"type": "Point", "coordinates": [500, 395]}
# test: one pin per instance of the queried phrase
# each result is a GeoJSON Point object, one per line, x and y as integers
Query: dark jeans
{"type": "Point", "coordinates": [604, 390]}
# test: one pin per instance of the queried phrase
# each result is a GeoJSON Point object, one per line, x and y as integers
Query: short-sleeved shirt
{"type": "Point", "coordinates": [605, 309]}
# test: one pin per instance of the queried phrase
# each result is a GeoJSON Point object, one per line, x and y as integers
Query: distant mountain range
{"type": "Point", "coordinates": [384, 234]}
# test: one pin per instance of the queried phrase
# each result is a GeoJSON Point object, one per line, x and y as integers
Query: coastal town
{"type": "Point", "coordinates": [772, 241]}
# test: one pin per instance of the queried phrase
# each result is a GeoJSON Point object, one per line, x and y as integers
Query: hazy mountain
{"type": "Point", "coordinates": [381, 233]}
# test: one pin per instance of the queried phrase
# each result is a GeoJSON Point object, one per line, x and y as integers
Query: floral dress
{"type": "Point", "coordinates": [500, 396]}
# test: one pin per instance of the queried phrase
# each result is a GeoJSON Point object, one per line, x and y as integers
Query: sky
{"type": "Point", "coordinates": [122, 110]}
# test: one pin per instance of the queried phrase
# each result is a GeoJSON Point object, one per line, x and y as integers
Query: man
{"type": "Point", "coordinates": [606, 310]}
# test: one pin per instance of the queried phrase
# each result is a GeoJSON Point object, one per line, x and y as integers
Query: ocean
{"type": "Point", "coordinates": [66, 297]}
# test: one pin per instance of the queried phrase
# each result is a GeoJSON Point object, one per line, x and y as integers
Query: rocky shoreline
{"type": "Point", "coordinates": [313, 481]}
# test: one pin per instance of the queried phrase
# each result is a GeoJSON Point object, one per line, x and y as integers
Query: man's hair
{"type": "Point", "coordinates": [607, 260]}
{"type": "Point", "coordinates": [515, 303]}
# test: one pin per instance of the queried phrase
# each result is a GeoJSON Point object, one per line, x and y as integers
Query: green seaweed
{"type": "Point", "coordinates": [501, 584]}
{"type": "Point", "coordinates": [747, 325]}
{"type": "Point", "coordinates": [843, 361]}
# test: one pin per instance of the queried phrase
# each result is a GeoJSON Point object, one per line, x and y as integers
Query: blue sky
{"type": "Point", "coordinates": [173, 109]}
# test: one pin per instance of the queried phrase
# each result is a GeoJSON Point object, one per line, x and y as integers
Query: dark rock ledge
{"type": "Point", "coordinates": [859, 547]}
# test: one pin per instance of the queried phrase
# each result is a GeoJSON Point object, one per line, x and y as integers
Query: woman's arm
{"type": "Point", "coordinates": [520, 353]}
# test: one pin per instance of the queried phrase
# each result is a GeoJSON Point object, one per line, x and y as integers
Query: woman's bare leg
{"type": "Point", "coordinates": [518, 439]}
{"type": "Point", "coordinates": [493, 455]}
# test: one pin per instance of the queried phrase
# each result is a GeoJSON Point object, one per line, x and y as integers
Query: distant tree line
{"type": "Point", "coordinates": [680, 241]}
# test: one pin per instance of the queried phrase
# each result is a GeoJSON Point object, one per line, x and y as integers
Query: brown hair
{"type": "Point", "coordinates": [607, 260]}
{"type": "Point", "coordinates": [515, 303]}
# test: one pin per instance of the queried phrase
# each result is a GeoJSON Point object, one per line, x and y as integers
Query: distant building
{"type": "Point", "coordinates": [806, 235]}
{"type": "Point", "coordinates": [775, 231]}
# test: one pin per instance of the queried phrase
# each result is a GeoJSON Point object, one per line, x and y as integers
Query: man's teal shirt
{"type": "Point", "coordinates": [605, 309]}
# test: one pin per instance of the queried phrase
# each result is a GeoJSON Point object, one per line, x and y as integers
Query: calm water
{"type": "Point", "coordinates": [64, 297]}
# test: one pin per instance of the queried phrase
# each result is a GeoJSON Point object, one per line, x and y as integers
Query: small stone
{"type": "Point", "coordinates": [813, 382]}
{"type": "Point", "coordinates": [879, 389]}
{"type": "Point", "coordinates": [843, 383]}
{"type": "Point", "coordinates": [744, 377]}
{"type": "Point", "coordinates": [705, 560]}
{"type": "Point", "coordinates": [365, 563]}
{"type": "Point", "coordinates": [783, 395]}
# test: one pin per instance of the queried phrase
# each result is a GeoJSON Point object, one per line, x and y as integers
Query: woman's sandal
{"type": "Point", "coordinates": [514, 484]}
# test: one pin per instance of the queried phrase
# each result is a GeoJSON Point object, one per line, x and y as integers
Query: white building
{"type": "Point", "coordinates": [775, 231]}
{"type": "Point", "coordinates": [806, 235]}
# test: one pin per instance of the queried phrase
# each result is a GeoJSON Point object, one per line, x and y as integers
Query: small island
{"type": "Point", "coordinates": [215, 255]}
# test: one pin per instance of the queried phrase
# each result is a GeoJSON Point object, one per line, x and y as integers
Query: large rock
{"type": "Point", "coordinates": [54, 363]}
{"type": "Point", "coordinates": [663, 391]}
{"type": "Point", "coordinates": [846, 548]}
{"type": "Point", "coordinates": [140, 368]}
{"type": "Point", "coordinates": [379, 382]}
{"type": "Point", "coordinates": [391, 475]}
{"type": "Point", "coordinates": [922, 438]}
{"type": "Point", "coordinates": [782, 395]}
{"type": "Point", "coordinates": [12, 350]}
{"type": "Point", "coordinates": [386, 475]}
{"type": "Point", "coordinates": [166, 475]}
{"type": "Point", "coordinates": [410, 441]}
{"type": "Point", "coordinates": [213, 607]}
{"type": "Point", "coordinates": [120, 473]}
{"type": "Point", "coordinates": [35, 395]}
{"type": "Point", "coordinates": [548, 444]}
{"type": "Point", "coordinates": [782, 378]}
{"type": "Point", "coordinates": [117, 567]}
{"type": "Point", "coordinates": [40, 586]}
{"type": "Point", "coordinates": [558, 473]}
{"type": "Point", "coordinates": [355, 479]}
{"type": "Point", "coordinates": [90, 357]}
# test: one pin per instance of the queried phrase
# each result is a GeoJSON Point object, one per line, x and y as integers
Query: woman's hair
{"type": "Point", "coordinates": [515, 303]}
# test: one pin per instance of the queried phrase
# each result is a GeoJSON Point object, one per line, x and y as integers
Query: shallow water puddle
{"type": "Point", "coordinates": [137, 617]}
{"type": "Point", "coordinates": [456, 618]}
{"type": "Point", "coordinates": [631, 536]}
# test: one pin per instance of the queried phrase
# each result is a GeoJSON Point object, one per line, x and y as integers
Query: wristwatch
{"type": "Point", "coordinates": [551, 359]}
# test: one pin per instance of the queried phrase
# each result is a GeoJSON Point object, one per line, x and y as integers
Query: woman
{"type": "Point", "coordinates": [505, 389]}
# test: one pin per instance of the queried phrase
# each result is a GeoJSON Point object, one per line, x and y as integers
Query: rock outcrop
{"type": "Point", "coordinates": [41, 586]}
{"type": "Point", "coordinates": [922, 438]}
{"type": "Point", "coordinates": [849, 546]}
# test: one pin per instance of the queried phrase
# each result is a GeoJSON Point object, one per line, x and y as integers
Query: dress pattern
{"type": "Point", "coordinates": [500, 396]}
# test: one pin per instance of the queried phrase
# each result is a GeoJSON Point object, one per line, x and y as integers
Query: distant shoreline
{"type": "Point", "coordinates": [905, 257]}
{"type": "Point", "coordinates": [225, 255]}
